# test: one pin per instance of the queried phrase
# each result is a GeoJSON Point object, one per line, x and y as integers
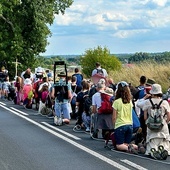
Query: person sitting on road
{"type": "Point", "coordinates": [62, 98]}
{"type": "Point", "coordinates": [104, 121]}
{"type": "Point", "coordinates": [80, 101]}
{"type": "Point", "coordinates": [122, 118]}
{"type": "Point", "coordinates": [157, 142]}
{"type": "Point", "coordinates": [19, 90]}
{"type": "Point", "coordinates": [75, 90]}
{"type": "Point", "coordinates": [27, 93]}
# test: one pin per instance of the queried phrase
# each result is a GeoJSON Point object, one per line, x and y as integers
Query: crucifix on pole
{"type": "Point", "coordinates": [16, 66]}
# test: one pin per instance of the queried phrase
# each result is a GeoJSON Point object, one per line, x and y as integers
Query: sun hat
{"type": "Point", "coordinates": [109, 91]}
{"type": "Point", "coordinates": [156, 89]}
{"type": "Point", "coordinates": [61, 74]}
{"type": "Point", "coordinates": [27, 81]}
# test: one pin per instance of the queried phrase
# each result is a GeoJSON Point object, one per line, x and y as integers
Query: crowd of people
{"type": "Point", "coordinates": [74, 97]}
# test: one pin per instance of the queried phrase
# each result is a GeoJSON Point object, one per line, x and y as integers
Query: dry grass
{"type": "Point", "coordinates": [159, 72]}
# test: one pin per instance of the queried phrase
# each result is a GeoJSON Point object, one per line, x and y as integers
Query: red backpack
{"type": "Point", "coordinates": [106, 105]}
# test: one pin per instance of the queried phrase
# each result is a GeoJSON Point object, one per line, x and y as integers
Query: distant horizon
{"type": "Point", "coordinates": [110, 53]}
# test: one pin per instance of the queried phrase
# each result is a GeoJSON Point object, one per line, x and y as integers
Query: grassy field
{"type": "Point", "coordinates": [131, 74]}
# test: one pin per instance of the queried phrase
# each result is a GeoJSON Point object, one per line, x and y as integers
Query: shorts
{"type": "Point", "coordinates": [2, 85]}
{"type": "Point", "coordinates": [123, 134]}
{"type": "Point", "coordinates": [62, 109]}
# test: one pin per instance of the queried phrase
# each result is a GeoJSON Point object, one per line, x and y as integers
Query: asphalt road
{"type": "Point", "coordinates": [30, 141]}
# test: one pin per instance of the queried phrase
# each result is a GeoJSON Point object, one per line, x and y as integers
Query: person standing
{"type": "Point", "coordinates": [98, 73]}
{"type": "Point", "coordinates": [3, 78]}
{"type": "Point", "coordinates": [99, 70]}
{"type": "Point", "coordinates": [78, 75]}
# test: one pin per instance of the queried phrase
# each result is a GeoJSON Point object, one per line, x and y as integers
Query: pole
{"type": "Point", "coordinates": [16, 66]}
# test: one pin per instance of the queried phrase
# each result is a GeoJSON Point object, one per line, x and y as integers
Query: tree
{"type": "Point", "coordinates": [24, 28]}
{"type": "Point", "coordinates": [99, 54]}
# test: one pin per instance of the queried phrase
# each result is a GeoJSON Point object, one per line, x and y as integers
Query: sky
{"type": "Point", "coordinates": [123, 26]}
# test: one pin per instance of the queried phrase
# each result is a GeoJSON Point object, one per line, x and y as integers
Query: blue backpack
{"type": "Point", "coordinates": [79, 79]}
{"type": "Point", "coordinates": [140, 93]}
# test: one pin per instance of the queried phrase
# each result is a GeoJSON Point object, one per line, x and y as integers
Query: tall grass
{"type": "Point", "coordinates": [159, 72]}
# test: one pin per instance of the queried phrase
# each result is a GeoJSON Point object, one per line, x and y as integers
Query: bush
{"type": "Point", "coordinates": [101, 55]}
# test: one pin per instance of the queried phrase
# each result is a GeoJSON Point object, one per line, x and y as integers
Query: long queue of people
{"type": "Point", "coordinates": [127, 125]}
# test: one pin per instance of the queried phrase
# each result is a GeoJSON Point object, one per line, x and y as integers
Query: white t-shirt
{"type": "Point", "coordinates": [96, 100]}
{"type": "Point", "coordinates": [104, 72]}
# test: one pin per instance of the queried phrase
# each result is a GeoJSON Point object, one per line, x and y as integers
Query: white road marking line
{"type": "Point", "coordinates": [142, 157]}
{"type": "Point", "coordinates": [62, 131]}
{"type": "Point", "coordinates": [19, 111]}
{"type": "Point", "coordinates": [133, 164]}
{"type": "Point", "coordinates": [3, 103]}
{"type": "Point", "coordinates": [93, 153]}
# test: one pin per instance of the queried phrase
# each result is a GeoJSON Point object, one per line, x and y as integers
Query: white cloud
{"type": "Point", "coordinates": [160, 2]}
{"type": "Point", "coordinates": [128, 33]}
{"type": "Point", "coordinates": [105, 21]}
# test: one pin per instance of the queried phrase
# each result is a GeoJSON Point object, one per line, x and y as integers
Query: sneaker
{"type": "Point", "coordinates": [87, 129]}
{"type": "Point", "coordinates": [155, 154]}
{"type": "Point", "coordinates": [60, 121]}
{"type": "Point", "coordinates": [55, 120]}
{"type": "Point", "coordinates": [163, 152]}
{"type": "Point", "coordinates": [131, 149]}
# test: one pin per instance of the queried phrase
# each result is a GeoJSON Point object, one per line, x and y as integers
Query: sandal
{"type": "Point", "coordinates": [155, 154]}
{"type": "Point", "coordinates": [163, 152]}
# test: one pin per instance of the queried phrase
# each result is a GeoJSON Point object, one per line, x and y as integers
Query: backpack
{"type": "Point", "coordinates": [140, 92]}
{"type": "Point", "coordinates": [61, 92]}
{"type": "Point", "coordinates": [79, 79]}
{"type": "Point", "coordinates": [73, 100]}
{"type": "Point", "coordinates": [87, 103]}
{"type": "Point", "coordinates": [106, 106]}
{"type": "Point", "coordinates": [44, 95]}
{"type": "Point", "coordinates": [3, 76]}
{"type": "Point", "coordinates": [100, 71]}
{"type": "Point", "coordinates": [155, 119]}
